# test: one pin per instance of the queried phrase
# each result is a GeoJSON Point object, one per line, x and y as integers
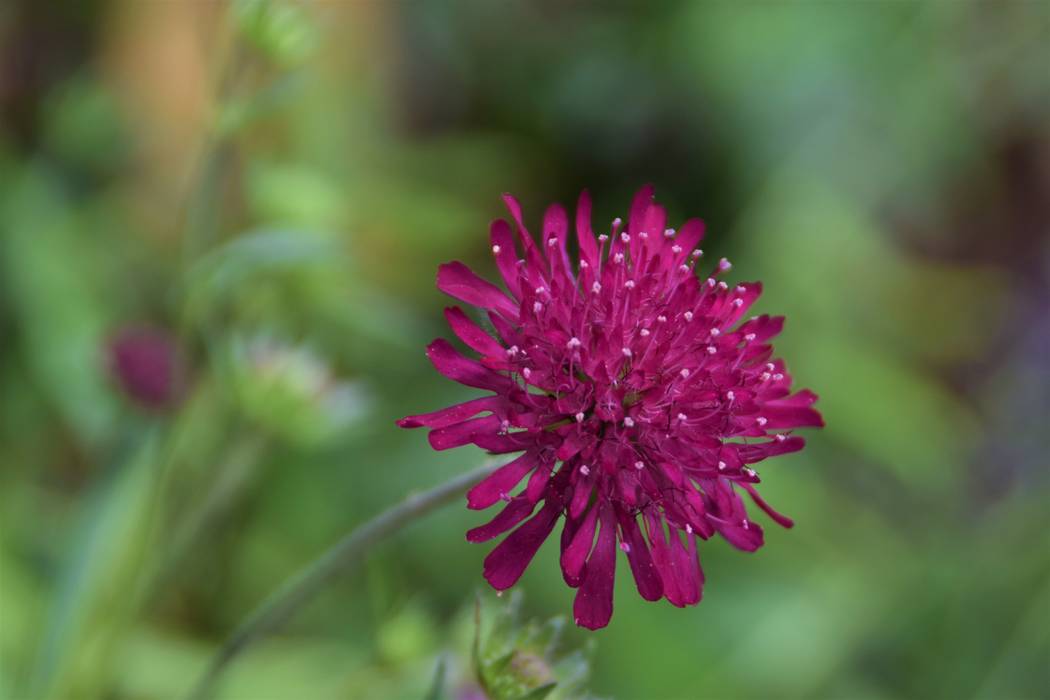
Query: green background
{"type": "Point", "coordinates": [276, 183]}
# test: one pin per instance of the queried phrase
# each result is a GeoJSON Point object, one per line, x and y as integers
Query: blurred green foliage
{"type": "Point", "coordinates": [276, 182]}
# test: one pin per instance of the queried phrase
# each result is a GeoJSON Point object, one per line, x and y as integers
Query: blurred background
{"type": "Point", "coordinates": [219, 228]}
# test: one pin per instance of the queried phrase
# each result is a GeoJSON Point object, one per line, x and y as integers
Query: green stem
{"type": "Point", "coordinates": [346, 553]}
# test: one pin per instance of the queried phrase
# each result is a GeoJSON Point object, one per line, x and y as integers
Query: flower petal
{"type": "Point", "coordinates": [469, 332]}
{"type": "Point", "coordinates": [574, 554]}
{"type": "Point", "coordinates": [501, 482]}
{"type": "Point", "coordinates": [453, 414]}
{"type": "Point", "coordinates": [507, 562]}
{"type": "Point", "coordinates": [454, 366]}
{"type": "Point", "coordinates": [593, 606]}
{"type": "Point", "coordinates": [459, 281]}
{"type": "Point", "coordinates": [465, 433]}
{"type": "Point", "coordinates": [646, 577]}
{"type": "Point", "coordinates": [515, 511]}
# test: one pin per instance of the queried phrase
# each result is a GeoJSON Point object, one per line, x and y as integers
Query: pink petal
{"type": "Point", "coordinates": [507, 562]}
{"type": "Point", "coordinates": [465, 433]}
{"type": "Point", "coordinates": [454, 366]}
{"type": "Point", "coordinates": [584, 234]}
{"type": "Point", "coordinates": [781, 520]}
{"type": "Point", "coordinates": [501, 482]}
{"type": "Point", "coordinates": [457, 280]}
{"type": "Point", "coordinates": [453, 414]}
{"type": "Point", "coordinates": [646, 577]}
{"type": "Point", "coordinates": [475, 338]}
{"type": "Point", "coordinates": [575, 553]}
{"type": "Point", "coordinates": [593, 605]}
{"type": "Point", "coordinates": [507, 257]}
{"type": "Point", "coordinates": [515, 511]}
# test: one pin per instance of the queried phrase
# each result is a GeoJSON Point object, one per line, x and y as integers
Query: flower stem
{"type": "Point", "coordinates": [344, 554]}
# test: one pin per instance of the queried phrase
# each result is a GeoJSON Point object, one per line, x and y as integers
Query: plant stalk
{"type": "Point", "coordinates": [341, 557]}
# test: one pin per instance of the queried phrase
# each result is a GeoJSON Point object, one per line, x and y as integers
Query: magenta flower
{"type": "Point", "coordinates": [146, 364]}
{"type": "Point", "coordinates": [637, 397]}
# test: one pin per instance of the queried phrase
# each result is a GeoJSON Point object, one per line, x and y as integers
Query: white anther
{"type": "Point", "coordinates": [643, 235]}
{"type": "Point", "coordinates": [761, 421]}
{"type": "Point", "coordinates": [676, 249]}
{"type": "Point", "coordinates": [602, 238]}
{"type": "Point", "coordinates": [746, 526]}
{"type": "Point", "coordinates": [749, 337]}
{"type": "Point", "coordinates": [512, 350]}
{"type": "Point", "coordinates": [625, 547]}
{"type": "Point", "coordinates": [537, 307]}
{"type": "Point", "coordinates": [596, 287]}
{"type": "Point", "coordinates": [661, 319]}
{"type": "Point", "coordinates": [749, 472]}
{"type": "Point", "coordinates": [721, 466]}
{"type": "Point", "coordinates": [710, 281]}
{"type": "Point", "coordinates": [724, 264]}
{"type": "Point", "coordinates": [496, 249]}
{"type": "Point", "coordinates": [770, 367]}
{"type": "Point", "coordinates": [626, 352]}
{"type": "Point", "coordinates": [585, 470]}
{"type": "Point", "coordinates": [668, 233]}
{"type": "Point", "coordinates": [574, 342]}
{"type": "Point", "coordinates": [504, 425]}
{"type": "Point", "coordinates": [617, 221]}
{"type": "Point", "coordinates": [738, 303]}
{"type": "Point", "coordinates": [579, 417]}
{"type": "Point", "coordinates": [684, 373]}
{"type": "Point", "coordinates": [683, 268]}
{"type": "Point", "coordinates": [540, 290]}
{"type": "Point", "coordinates": [777, 377]}
{"type": "Point", "coordinates": [696, 254]}
{"type": "Point", "coordinates": [711, 349]}
{"type": "Point", "coordinates": [504, 496]}
{"type": "Point", "coordinates": [584, 265]}
{"type": "Point", "coordinates": [629, 284]}
{"type": "Point", "coordinates": [526, 372]}
{"type": "Point", "coordinates": [689, 528]}
{"type": "Point", "coordinates": [618, 258]}
{"type": "Point", "coordinates": [715, 332]}
{"type": "Point", "coordinates": [730, 395]}
{"type": "Point", "coordinates": [625, 237]}
{"type": "Point", "coordinates": [765, 376]}
{"type": "Point", "coordinates": [644, 332]}
{"type": "Point", "coordinates": [780, 437]}
{"type": "Point", "coordinates": [688, 315]}
{"type": "Point", "coordinates": [682, 417]}
{"type": "Point", "coordinates": [551, 242]}
{"type": "Point", "coordinates": [639, 465]}
{"type": "Point", "coordinates": [628, 422]}
{"type": "Point", "coordinates": [740, 289]}
{"type": "Point", "coordinates": [723, 286]}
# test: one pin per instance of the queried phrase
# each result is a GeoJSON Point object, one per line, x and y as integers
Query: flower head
{"type": "Point", "coordinates": [146, 363]}
{"type": "Point", "coordinates": [634, 391]}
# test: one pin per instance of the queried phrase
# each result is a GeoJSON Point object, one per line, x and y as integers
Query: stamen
{"type": "Point", "coordinates": [684, 373]}
{"type": "Point", "coordinates": [526, 372]}
{"type": "Point", "coordinates": [644, 332]}
{"type": "Point", "coordinates": [710, 281]}
{"type": "Point", "coordinates": [585, 470]}
{"type": "Point", "coordinates": [668, 233]}
{"type": "Point", "coordinates": [780, 437]}
{"type": "Point", "coordinates": [738, 303]}
{"type": "Point", "coordinates": [711, 349]}
{"type": "Point", "coordinates": [625, 237]}
{"type": "Point", "coordinates": [740, 289]}
{"type": "Point", "coordinates": [574, 342]}
{"type": "Point", "coordinates": [682, 417]}
{"type": "Point", "coordinates": [579, 417]}
{"type": "Point", "coordinates": [761, 421]}
{"type": "Point", "coordinates": [721, 466]}
{"type": "Point", "coordinates": [537, 307]}
{"type": "Point", "coordinates": [596, 287]}
{"type": "Point", "coordinates": [551, 242]}
{"type": "Point", "coordinates": [749, 337]}
{"type": "Point", "coordinates": [688, 315]}
{"type": "Point", "coordinates": [730, 395]}
{"type": "Point", "coordinates": [696, 253]}
{"type": "Point", "coordinates": [643, 235]}
{"type": "Point", "coordinates": [661, 319]}
{"type": "Point", "coordinates": [584, 265]}
{"type": "Point", "coordinates": [628, 422]}
{"type": "Point", "coordinates": [618, 258]}
{"type": "Point", "coordinates": [689, 528]}
{"type": "Point", "coordinates": [639, 465]}
{"type": "Point", "coordinates": [777, 377]}
{"type": "Point", "coordinates": [629, 284]}
{"type": "Point", "coordinates": [683, 267]}
{"type": "Point", "coordinates": [715, 332]}
{"type": "Point", "coordinates": [617, 221]}
{"type": "Point", "coordinates": [723, 286]}
{"type": "Point", "coordinates": [724, 264]}
{"type": "Point", "coordinates": [496, 249]}
{"type": "Point", "coordinates": [512, 350]}
{"type": "Point", "coordinates": [676, 249]}
{"type": "Point", "coordinates": [602, 238]}
{"type": "Point", "coordinates": [626, 352]}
